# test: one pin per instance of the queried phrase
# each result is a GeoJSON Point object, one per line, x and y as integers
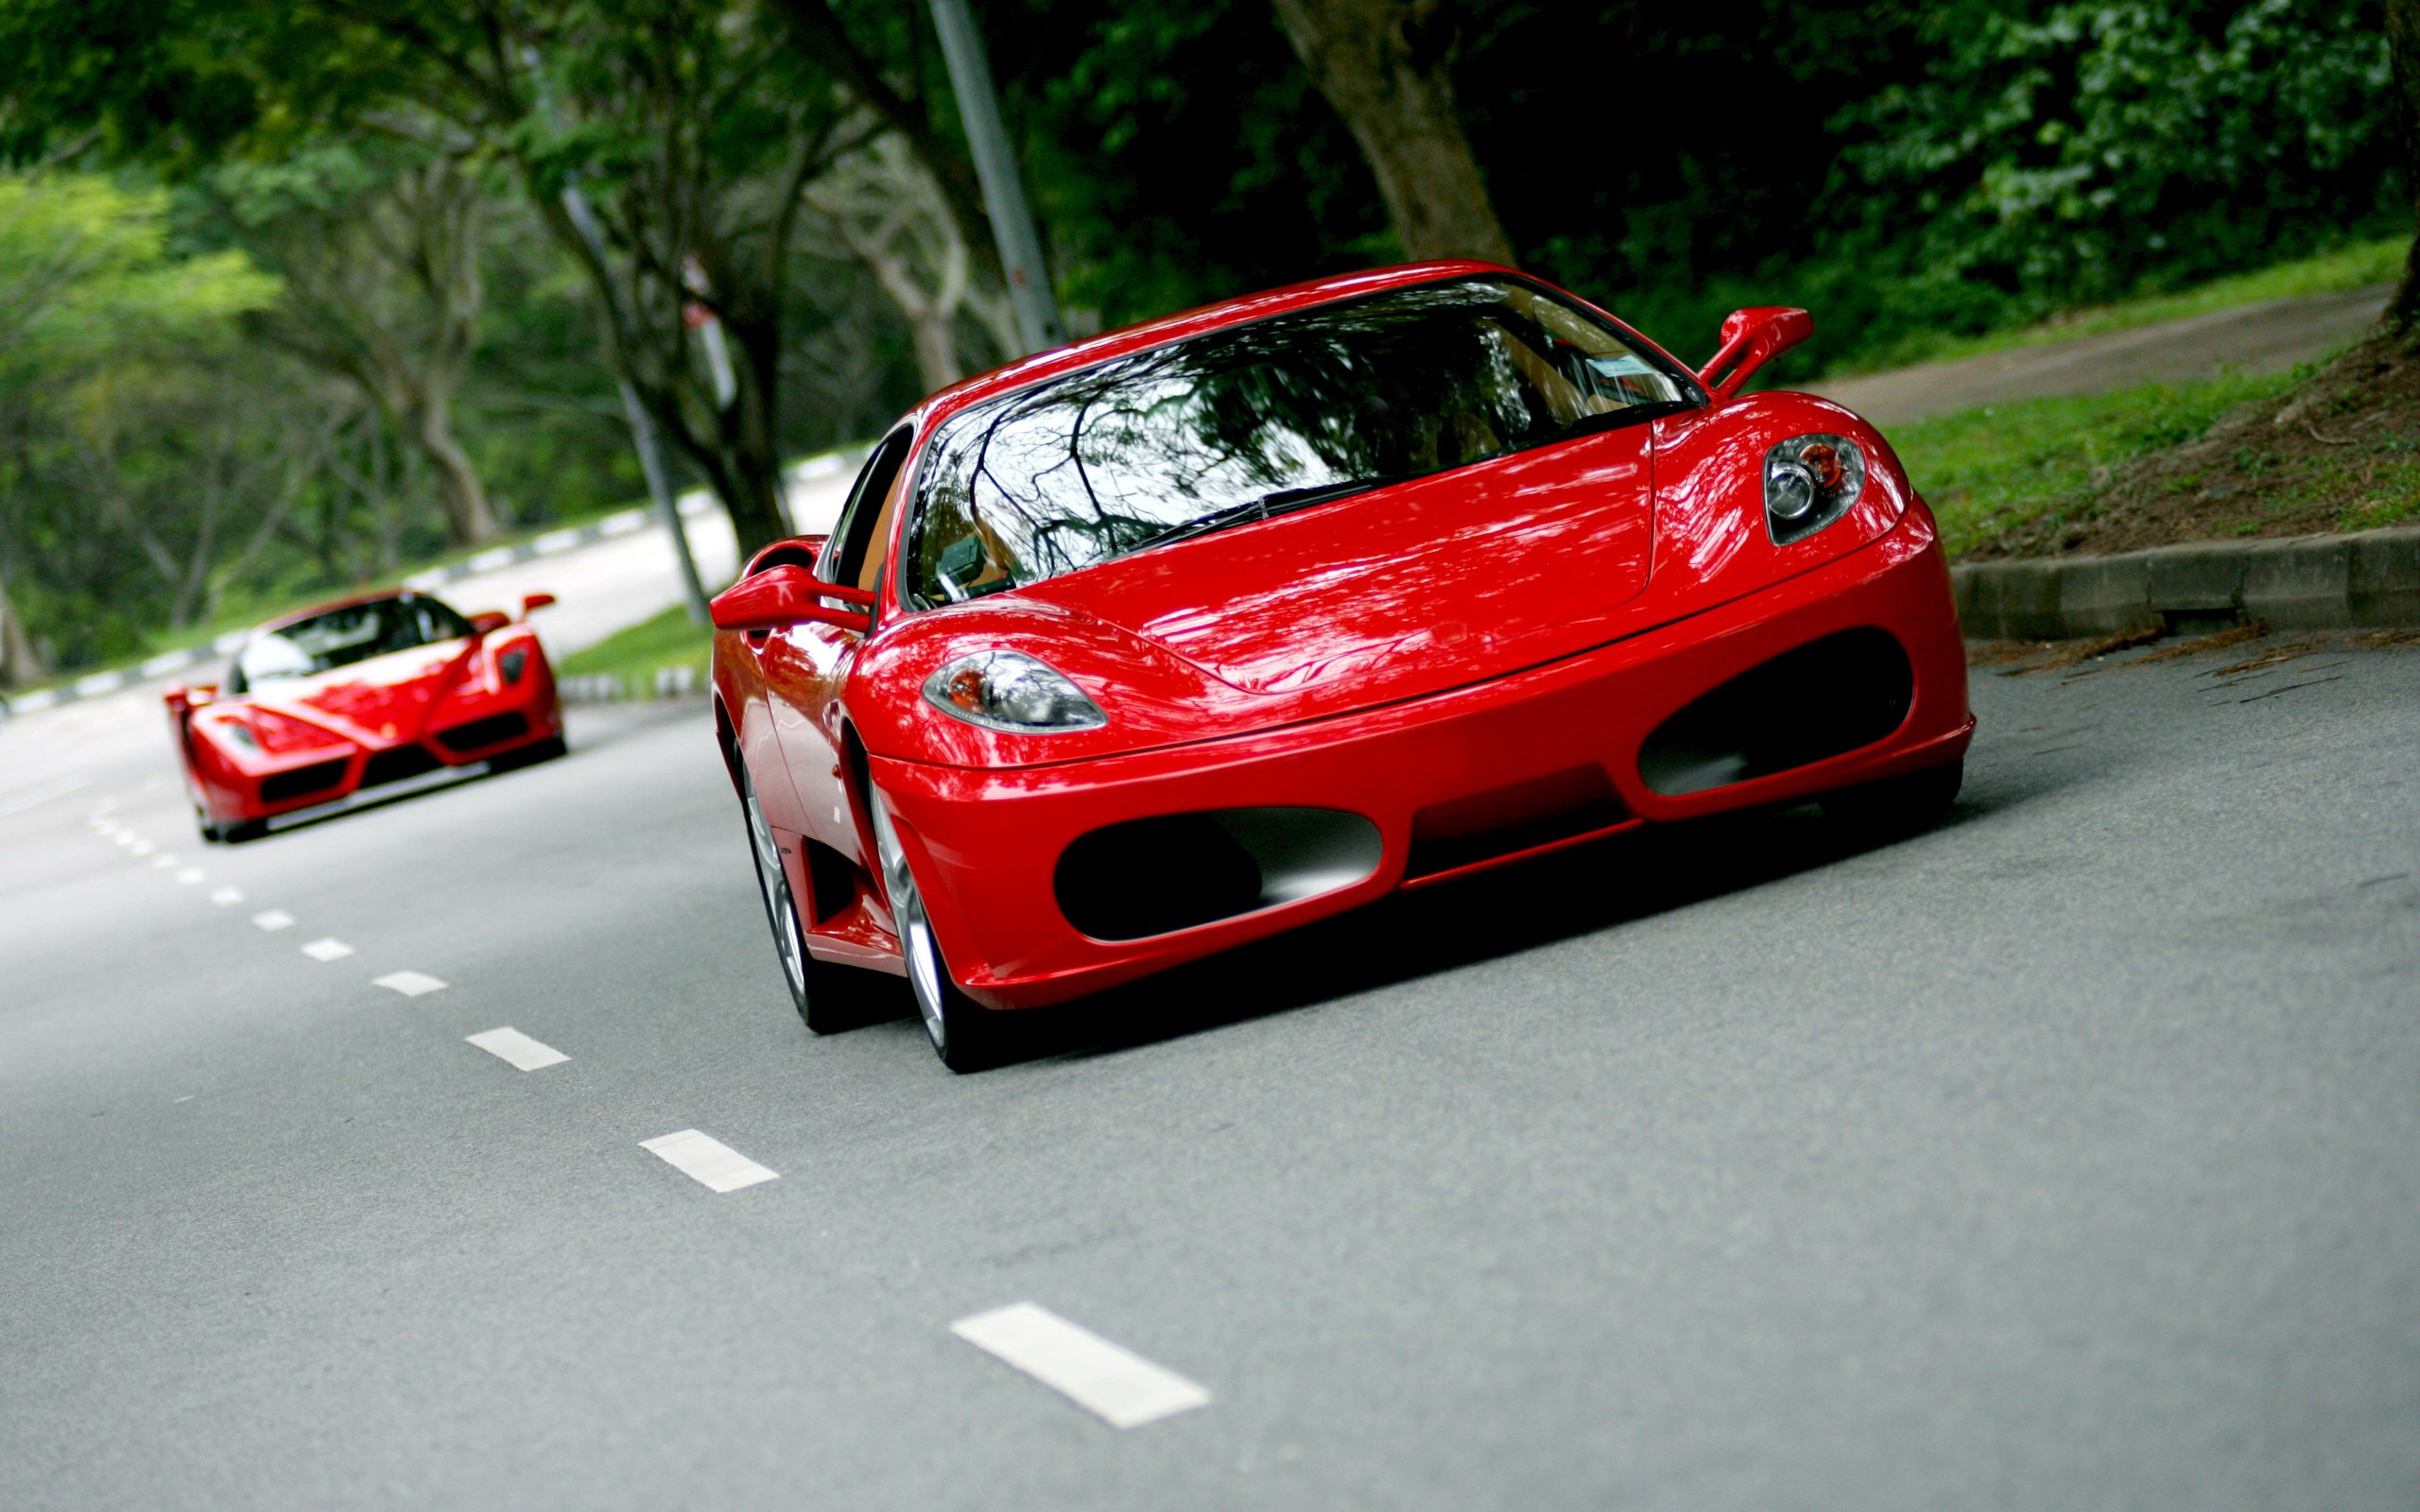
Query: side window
{"type": "Point", "coordinates": [863, 519]}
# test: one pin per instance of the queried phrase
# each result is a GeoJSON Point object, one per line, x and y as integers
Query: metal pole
{"type": "Point", "coordinates": [970, 76]}
{"type": "Point", "coordinates": [659, 487]}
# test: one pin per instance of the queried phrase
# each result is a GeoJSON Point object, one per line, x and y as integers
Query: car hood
{"type": "Point", "coordinates": [1402, 591]}
{"type": "Point", "coordinates": [377, 703]}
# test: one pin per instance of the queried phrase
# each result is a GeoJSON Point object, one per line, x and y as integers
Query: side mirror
{"type": "Point", "coordinates": [488, 622]}
{"type": "Point", "coordinates": [178, 698]}
{"type": "Point", "coordinates": [1751, 339]}
{"type": "Point", "coordinates": [780, 596]}
{"type": "Point", "coordinates": [532, 603]}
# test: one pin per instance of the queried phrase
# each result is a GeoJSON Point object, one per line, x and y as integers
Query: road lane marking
{"type": "Point", "coordinates": [704, 1158]}
{"type": "Point", "coordinates": [139, 848]}
{"type": "Point", "coordinates": [411, 984]}
{"type": "Point", "coordinates": [327, 948]}
{"type": "Point", "coordinates": [517, 1049]}
{"type": "Point", "coordinates": [191, 875]}
{"type": "Point", "coordinates": [274, 919]}
{"type": "Point", "coordinates": [163, 860]}
{"type": "Point", "coordinates": [228, 897]}
{"type": "Point", "coordinates": [1122, 1387]}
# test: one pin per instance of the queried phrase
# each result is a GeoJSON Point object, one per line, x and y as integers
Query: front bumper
{"type": "Point", "coordinates": [986, 843]}
{"type": "Point", "coordinates": [475, 731]}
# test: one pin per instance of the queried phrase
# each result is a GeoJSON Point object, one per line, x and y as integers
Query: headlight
{"type": "Point", "coordinates": [1012, 691]}
{"type": "Point", "coordinates": [234, 731]}
{"type": "Point", "coordinates": [1810, 482]}
{"type": "Point", "coordinates": [510, 665]}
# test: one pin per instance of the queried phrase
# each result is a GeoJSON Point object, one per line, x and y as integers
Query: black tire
{"type": "Point", "coordinates": [1900, 805]}
{"type": "Point", "coordinates": [209, 834]}
{"type": "Point", "coordinates": [244, 831]}
{"type": "Point", "coordinates": [829, 998]}
{"type": "Point", "coordinates": [966, 1035]}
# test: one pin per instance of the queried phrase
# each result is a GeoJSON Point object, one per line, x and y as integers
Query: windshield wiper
{"type": "Point", "coordinates": [1280, 502]}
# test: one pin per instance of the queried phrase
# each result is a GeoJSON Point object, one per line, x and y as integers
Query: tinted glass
{"type": "Point", "coordinates": [1285, 412]}
{"type": "Point", "coordinates": [343, 636]}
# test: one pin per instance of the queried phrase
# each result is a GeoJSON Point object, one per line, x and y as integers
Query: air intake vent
{"type": "Point", "coordinates": [396, 764]}
{"type": "Point", "coordinates": [1827, 698]}
{"type": "Point", "coordinates": [279, 786]}
{"type": "Point", "coordinates": [486, 731]}
{"type": "Point", "coordinates": [1155, 876]}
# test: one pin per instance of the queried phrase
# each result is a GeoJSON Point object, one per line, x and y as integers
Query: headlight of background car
{"type": "Point", "coordinates": [1010, 691]}
{"type": "Point", "coordinates": [1810, 482]}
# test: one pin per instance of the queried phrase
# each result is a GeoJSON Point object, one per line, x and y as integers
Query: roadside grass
{"type": "Point", "coordinates": [2034, 463]}
{"type": "Point", "coordinates": [2352, 265]}
{"type": "Point", "coordinates": [635, 655]}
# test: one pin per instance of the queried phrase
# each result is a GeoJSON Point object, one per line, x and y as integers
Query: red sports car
{"type": "Point", "coordinates": [1138, 649]}
{"type": "Point", "coordinates": [356, 695]}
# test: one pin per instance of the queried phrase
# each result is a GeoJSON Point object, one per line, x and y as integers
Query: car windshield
{"type": "Point", "coordinates": [343, 636]}
{"type": "Point", "coordinates": [1282, 413]}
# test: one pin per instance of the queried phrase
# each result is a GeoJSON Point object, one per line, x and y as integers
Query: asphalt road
{"type": "Point", "coordinates": [2061, 1156]}
{"type": "Point", "coordinates": [2270, 337]}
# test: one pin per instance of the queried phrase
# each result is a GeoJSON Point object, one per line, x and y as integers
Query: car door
{"type": "Point", "coordinates": [805, 666]}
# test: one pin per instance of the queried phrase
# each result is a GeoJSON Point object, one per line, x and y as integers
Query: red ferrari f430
{"type": "Point", "coordinates": [356, 695]}
{"type": "Point", "coordinates": [1139, 649]}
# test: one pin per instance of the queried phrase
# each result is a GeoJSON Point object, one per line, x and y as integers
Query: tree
{"type": "Point", "coordinates": [1382, 65]}
{"type": "Point", "coordinates": [2403, 54]}
{"type": "Point", "coordinates": [379, 245]}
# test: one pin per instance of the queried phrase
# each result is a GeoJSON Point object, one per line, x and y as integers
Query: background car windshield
{"type": "Point", "coordinates": [1405, 384]}
{"type": "Point", "coordinates": [343, 636]}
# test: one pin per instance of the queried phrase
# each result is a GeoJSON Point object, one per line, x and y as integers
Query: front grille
{"type": "Point", "coordinates": [486, 731]}
{"type": "Point", "coordinates": [279, 786]}
{"type": "Point", "coordinates": [1517, 816]}
{"type": "Point", "coordinates": [395, 764]}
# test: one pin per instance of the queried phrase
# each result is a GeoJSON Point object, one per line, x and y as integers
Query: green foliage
{"type": "Point", "coordinates": [636, 654]}
{"type": "Point", "coordinates": [1986, 472]}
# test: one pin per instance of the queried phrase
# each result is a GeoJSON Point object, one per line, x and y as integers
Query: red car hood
{"type": "Point", "coordinates": [377, 703]}
{"type": "Point", "coordinates": [1407, 591]}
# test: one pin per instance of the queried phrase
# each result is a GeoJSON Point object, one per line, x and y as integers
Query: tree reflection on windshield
{"type": "Point", "coordinates": [1285, 412]}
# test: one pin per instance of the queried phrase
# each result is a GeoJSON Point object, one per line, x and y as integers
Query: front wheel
{"type": "Point", "coordinates": [830, 998]}
{"type": "Point", "coordinates": [964, 1034]}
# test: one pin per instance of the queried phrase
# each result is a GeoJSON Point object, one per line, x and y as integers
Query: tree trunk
{"type": "Point", "coordinates": [467, 511]}
{"type": "Point", "coordinates": [19, 664]}
{"type": "Point", "coordinates": [2403, 54]}
{"type": "Point", "coordinates": [1377, 63]}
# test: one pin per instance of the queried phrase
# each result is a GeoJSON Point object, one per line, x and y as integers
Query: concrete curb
{"type": "Point", "coordinates": [553, 543]}
{"type": "Point", "coordinates": [2367, 580]}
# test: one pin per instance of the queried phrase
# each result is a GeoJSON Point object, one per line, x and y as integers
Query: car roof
{"type": "Point", "coordinates": [1149, 334]}
{"type": "Point", "coordinates": [348, 601]}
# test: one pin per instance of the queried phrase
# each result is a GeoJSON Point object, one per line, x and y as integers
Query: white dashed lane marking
{"type": "Point", "coordinates": [515, 1048]}
{"type": "Point", "coordinates": [327, 948]}
{"type": "Point", "coordinates": [274, 919]}
{"type": "Point", "coordinates": [140, 847]}
{"type": "Point", "coordinates": [1125, 1389]}
{"type": "Point", "coordinates": [164, 860]}
{"type": "Point", "coordinates": [192, 875]}
{"type": "Point", "coordinates": [707, 1160]}
{"type": "Point", "coordinates": [227, 897]}
{"type": "Point", "coordinates": [411, 984]}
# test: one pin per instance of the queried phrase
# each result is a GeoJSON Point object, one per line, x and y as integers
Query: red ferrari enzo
{"type": "Point", "coordinates": [1138, 649]}
{"type": "Point", "coordinates": [321, 705]}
